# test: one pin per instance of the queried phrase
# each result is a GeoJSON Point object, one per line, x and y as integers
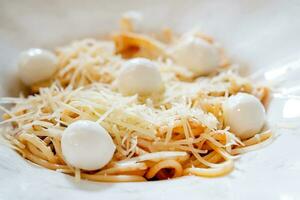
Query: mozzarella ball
{"type": "Point", "coordinates": [244, 114]}
{"type": "Point", "coordinates": [139, 76]}
{"type": "Point", "coordinates": [87, 145]}
{"type": "Point", "coordinates": [35, 65]}
{"type": "Point", "coordinates": [196, 54]}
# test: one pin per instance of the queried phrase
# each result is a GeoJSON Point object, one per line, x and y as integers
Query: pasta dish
{"type": "Point", "coordinates": [135, 107]}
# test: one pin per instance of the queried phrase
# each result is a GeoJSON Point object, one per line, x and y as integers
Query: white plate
{"type": "Point", "coordinates": [259, 34]}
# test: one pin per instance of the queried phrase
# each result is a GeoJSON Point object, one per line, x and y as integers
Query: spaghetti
{"type": "Point", "coordinates": [180, 132]}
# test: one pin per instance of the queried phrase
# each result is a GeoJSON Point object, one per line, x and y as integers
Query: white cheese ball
{"type": "Point", "coordinates": [35, 65]}
{"type": "Point", "coordinates": [245, 115]}
{"type": "Point", "coordinates": [196, 54]}
{"type": "Point", "coordinates": [139, 76]}
{"type": "Point", "coordinates": [87, 145]}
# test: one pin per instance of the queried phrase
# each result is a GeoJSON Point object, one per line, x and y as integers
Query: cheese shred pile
{"type": "Point", "coordinates": [178, 132]}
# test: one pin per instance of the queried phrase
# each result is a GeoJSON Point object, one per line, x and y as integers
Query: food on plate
{"type": "Point", "coordinates": [139, 76]}
{"type": "Point", "coordinates": [83, 137]}
{"type": "Point", "coordinates": [36, 65]}
{"type": "Point", "coordinates": [197, 54]}
{"type": "Point", "coordinates": [136, 107]}
{"type": "Point", "coordinates": [244, 114]}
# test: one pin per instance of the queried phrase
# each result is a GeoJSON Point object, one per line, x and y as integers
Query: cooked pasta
{"type": "Point", "coordinates": [178, 131]}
